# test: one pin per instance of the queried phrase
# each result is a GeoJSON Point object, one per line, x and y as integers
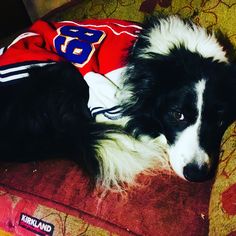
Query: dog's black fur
{"type": "Point", "coordinates": [46, 115]}
{"type": "Point", "coordinates": [163, 91]}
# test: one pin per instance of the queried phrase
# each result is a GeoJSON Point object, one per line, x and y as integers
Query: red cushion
{"type": "Point", "coordinates": [166, 206]}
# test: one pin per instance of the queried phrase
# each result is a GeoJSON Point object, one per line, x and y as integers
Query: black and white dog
{"type": "Point", "coordinates": [177, 99]}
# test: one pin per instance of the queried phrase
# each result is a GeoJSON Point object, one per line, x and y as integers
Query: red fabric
{"type": "Point", "coordinates": [9, 212]}
{"type": "Point", "coordinates": [99, 44]}
{"type": "Point", "coordinates": [166, 206]}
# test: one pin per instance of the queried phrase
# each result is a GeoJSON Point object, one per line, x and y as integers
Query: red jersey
{"type": "Point", "coordinates": [97, 48]}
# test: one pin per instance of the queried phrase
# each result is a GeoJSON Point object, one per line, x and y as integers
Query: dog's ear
{"type": "Point", "coordinates": [227, 45]}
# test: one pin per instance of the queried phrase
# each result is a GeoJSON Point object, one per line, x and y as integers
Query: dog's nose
{"type": "Point", "coordinates": [195, 173]}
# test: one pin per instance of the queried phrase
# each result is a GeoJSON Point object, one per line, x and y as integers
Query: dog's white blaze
{"type": "Point", "coordinates": [173, 32]}
{"type": "Point", "coordinates": [187, 149]}
{"type": "Point", "coordinates": [123, 157]}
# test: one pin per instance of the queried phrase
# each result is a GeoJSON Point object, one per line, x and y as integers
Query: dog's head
{"type": "Point", "coordinates": [180, 84]}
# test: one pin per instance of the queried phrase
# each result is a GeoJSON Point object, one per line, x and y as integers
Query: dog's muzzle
{"type": "Point", "coordinates": [195, 173]}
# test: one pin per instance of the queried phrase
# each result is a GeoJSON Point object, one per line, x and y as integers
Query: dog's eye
{"type": "Point", "coordinates": [178, 115]}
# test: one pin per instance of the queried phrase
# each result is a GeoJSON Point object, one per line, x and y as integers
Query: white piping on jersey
{"type": "Point", "coordinates": [1, 51]}
{"type": "Point", "coordinates": [14, 77]}
{"type": "Point", "coordinates": [112, 113]}
{"type": "Point", "coordinates": [18, 72]}
{"type": "Point", "coordinates": [21, 36]}
{"type": "Point", "coordinates": [128, 26]}
{"type": "Point", "coordinates": [102, 26]}
{"type": "Point", "coordinates": [14, 69]}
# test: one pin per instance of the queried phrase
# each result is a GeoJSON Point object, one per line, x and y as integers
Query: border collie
{"type": "Point", "coordinates": [176, 97]}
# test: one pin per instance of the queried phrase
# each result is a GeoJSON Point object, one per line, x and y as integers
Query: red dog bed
{"type": "Point", "coordinates": [36, 197]}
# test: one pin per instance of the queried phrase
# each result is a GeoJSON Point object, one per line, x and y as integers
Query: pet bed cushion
{"type": "Point", "coordinates": [55, 193]}
{"type": "Point", "coordinates": [212, 14]}
{"type": "Point", "coordinates": [223, 196]}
